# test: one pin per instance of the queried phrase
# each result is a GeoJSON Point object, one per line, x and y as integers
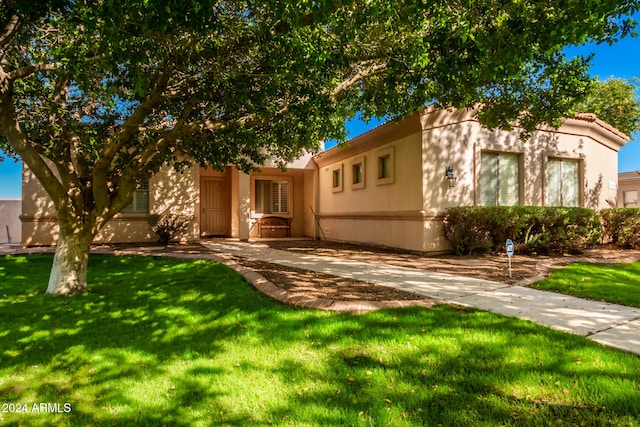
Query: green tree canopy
{"type": "Point", "coordinates": [97, 95]}
{"type": "Point", "coordinates": [616, 101]}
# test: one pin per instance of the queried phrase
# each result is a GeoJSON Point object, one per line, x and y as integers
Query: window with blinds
{"type": "Point", "coordinates": [140, 201]}
{"type": "Point", "coordinates": [499, 179]}
{"type": "Point", "coordinates": [271, 197]}
{"type": "Point", "coordinates": [563, 178]}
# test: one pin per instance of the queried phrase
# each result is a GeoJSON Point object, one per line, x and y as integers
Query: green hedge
{"type": "Point", "coordinates": [533, 229]}
{"type": "Point", "coordinates": [622, 227]}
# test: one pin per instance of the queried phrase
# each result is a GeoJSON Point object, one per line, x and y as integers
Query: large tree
{"type": "Point", "coordinates": [97, 95]}
{"type": "Point", "coordinates": [616, 101]}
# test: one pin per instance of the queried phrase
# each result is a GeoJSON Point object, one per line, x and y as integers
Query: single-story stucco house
{"type": "Point", "coordinates": [387, 187]}
{"type": "Point", "coordinates": [629, 189]}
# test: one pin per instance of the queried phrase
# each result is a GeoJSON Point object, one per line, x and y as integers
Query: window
{"type": "Point", "coordinates": [499, 179]}
{"type": "Point", "coordinates": [385, 166]}
{"type": "Point", "coordinates": [336, 179]}
{"type": "Point", "coordinates": [630, 199]}
{"type": "Point", "coordinates": [563, 187]}
{"type": "Point", "coordinates": [271, 197]}
{"type": "Point", "coordinates": [357, 173]}
{"type": "Point", "coordinates": [140, 201]}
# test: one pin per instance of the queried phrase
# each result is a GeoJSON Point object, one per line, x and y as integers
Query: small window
{"type": "Point", "coordinates": [563, 187]}
{"type": "Point", "coordinates": [385, 166]}
{"type": "Point", "coordinates": [357, 173]}
{"type": "Point", "coordinates": [630, 199]}
{"type": "Point", "coordinates": [336, 179]}
{"type": "Point", "coordinates": [140, 201]}
{"type": "Point", "coordinates": [271, 197]}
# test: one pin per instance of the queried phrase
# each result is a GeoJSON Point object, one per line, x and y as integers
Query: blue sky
{"type": "Point", "coordinates": [619, 60]}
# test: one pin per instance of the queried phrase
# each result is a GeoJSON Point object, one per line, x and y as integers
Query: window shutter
{"type": "Point", "coordinates": [488, 179]}
{"type": "Point", "coordinates": [570, 189]}
{"type": "Point", "coordinates": [280, 196]}
{"type": "Point", "coordinates": [563, 183]}
{"type": "Point", "coordinates": [554, 182]}
{"type": "Point", "coordinates": [509, 178]}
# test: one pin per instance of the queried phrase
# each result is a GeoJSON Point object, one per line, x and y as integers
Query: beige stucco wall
{"type": "Point", "coordinates": [10, 229]}
{"type": "Point", "coordinates": [387, 213]}
{"type": "Point", "coordinates": [169, 191]}
{"type": "Point", "coordinates": [408, 213]}
{"type": "Point", "coordinates": [457, 139]}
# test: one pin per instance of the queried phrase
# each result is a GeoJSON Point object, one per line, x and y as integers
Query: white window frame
{"type": "Point", "coordinates": [275, 199]}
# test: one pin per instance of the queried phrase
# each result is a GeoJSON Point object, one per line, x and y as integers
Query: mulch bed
{"type": "Point", "coordinates": [319, 285]}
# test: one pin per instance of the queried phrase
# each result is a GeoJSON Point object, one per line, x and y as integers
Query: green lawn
{"type": "Point", "coordinates": [617, 283]}
{"type": "Point", "coordinates": [183, 343]}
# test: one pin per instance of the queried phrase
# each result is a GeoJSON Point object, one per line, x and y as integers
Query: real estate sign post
{"type": "Point", "coordinates": [510, 249]}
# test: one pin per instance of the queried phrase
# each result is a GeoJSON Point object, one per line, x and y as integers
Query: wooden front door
{"type": "Point", "coordinates": [214, 209]}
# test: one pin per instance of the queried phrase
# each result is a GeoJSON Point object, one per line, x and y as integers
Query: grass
{"type": "Point", "coordinates": [616, 283]}
{"type": "Point", "coordinates": [161, 341]}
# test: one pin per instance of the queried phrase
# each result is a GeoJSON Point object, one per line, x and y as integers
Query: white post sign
{"type": "Point", "coordinates": [510, 249]}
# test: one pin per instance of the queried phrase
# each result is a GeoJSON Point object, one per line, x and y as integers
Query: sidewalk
{"type": "Point", "coordinates": [609, 324]}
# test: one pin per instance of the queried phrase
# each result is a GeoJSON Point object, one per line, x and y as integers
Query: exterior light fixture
{"type": "Point", "coordinates": [450, 176]}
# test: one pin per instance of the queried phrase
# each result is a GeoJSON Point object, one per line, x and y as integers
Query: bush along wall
{"type": "Point", "coordinates": [622, 227]}
{"type": "Point", "coordinates": [533, 229]}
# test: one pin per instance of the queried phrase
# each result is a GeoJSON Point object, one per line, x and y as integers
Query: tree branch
{"type": "Point", "coordinates": [359, 76]}
{"type": "Point", "coordinates": [101, 191]}
{"type": "Point", "coordinates": [10, 29]}
{"type": "Point", "coordinates": [21, 145]}
{"type": "Point", "coordinates": [32, 69]}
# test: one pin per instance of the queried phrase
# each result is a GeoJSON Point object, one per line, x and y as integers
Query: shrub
{"type": "Point", "coordinates": [543, 230]}
{"type": "Point", "coordinates": [622, 227]}
{"type": "Point", "coordinates": [167, 225]}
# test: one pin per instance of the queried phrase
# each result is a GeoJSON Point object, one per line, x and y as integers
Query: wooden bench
{"type": "Point", "coordinates": [274, 223]}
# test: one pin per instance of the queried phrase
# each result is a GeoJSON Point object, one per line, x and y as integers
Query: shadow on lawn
{"type": "Point", "coordinates": [489, 370]}
{"type": "Point", "coordinates": [141, 317]}
{"type": "Point", "coordinates": [148, 345]}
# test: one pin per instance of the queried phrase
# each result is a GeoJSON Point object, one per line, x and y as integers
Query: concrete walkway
{"type": "Point", "coordinates": [609, 324]}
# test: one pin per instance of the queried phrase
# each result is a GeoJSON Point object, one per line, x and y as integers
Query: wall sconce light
{"type": "Point", "coordinates": [450, 176]}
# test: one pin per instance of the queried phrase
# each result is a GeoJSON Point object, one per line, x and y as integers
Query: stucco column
{"type": "Point", "coordinates": [244, 206]}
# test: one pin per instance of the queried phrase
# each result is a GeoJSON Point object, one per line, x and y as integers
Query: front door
{"type": "Point", "coordinates": [213, 218]}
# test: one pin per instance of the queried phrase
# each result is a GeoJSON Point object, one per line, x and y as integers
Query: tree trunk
{"type": "Point", "coordinates": [69, 270]}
